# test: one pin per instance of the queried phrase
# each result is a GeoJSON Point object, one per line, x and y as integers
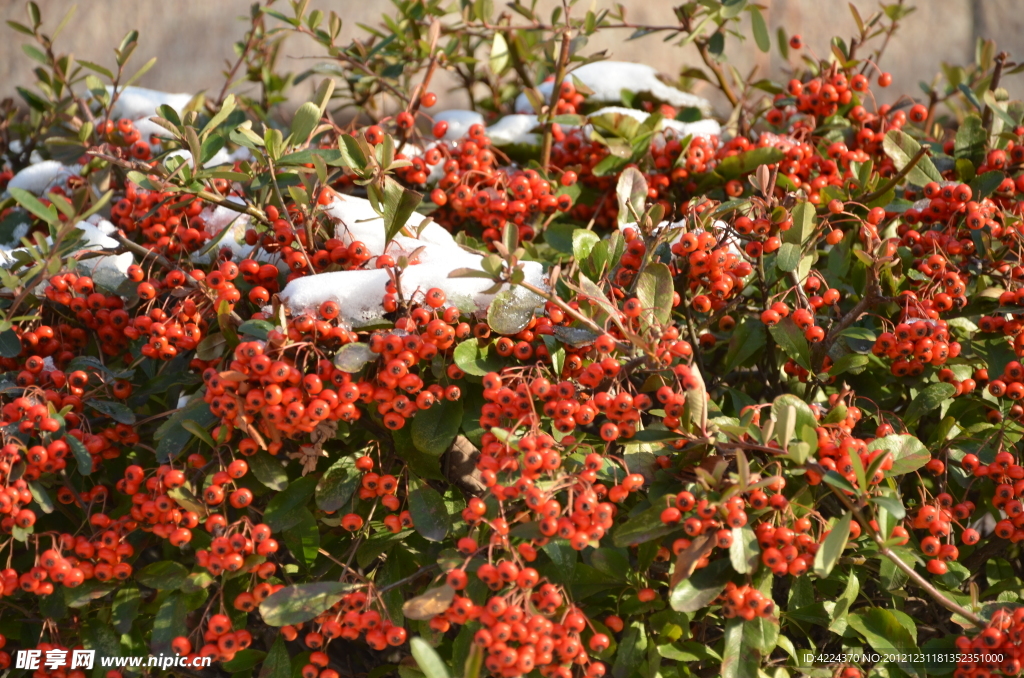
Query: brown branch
{"type": "Point", "coordinates": [563, 60]}
{"type": "Point", "coordinates": [871, 296]}
{"type": "Point", "coordinates": [709, 61]}
{"type": "Point", "coordinates": [566, 308]}
{"type": "Point", "coordinates": [893, 181]}
{"type": "Point", "coordinates": [241, 58]}
{"type": "Point", "coordinates": [997, 72]}
{"type": "Point", "coordinates": [138, 249]}
{"type": "Point", "coordinates": [935, 594]}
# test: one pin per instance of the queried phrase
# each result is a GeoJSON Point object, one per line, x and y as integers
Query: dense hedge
{"type": "Point", "coordinates": [591, 390]}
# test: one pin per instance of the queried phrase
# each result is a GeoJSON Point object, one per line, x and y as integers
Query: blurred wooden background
{"type": "Point", "coordinates": [193, 38]}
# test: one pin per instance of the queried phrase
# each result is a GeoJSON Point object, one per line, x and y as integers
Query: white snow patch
{"type": "Point", "coordinates": [221, 157]}
{"type": "Point", "coordinates": [700, 128]}
{"type": "Point", "coordinates": [719, 227]}
{"type": "Point", "coordinates": [459, 121]}
{"type": "Point", "coordinates": [109, 271]}
{"type": "Point", "coordinates": [139, 102]}
{"type": "Point", "coordinates": [607, 79]}
{"type": "Point", "coordinates": [636, 114]}
{"type": "Point", "coordinates": [149, 129]}
{"type": "Point", "coordinates": [514, 129]}
{"type": "Point", "coordinates": [97, 236]}
{"type": "Point", "coordinates": [217, 219]}
{"type": "Point", "coordinates": [359, 292]}
{"type": "Point", "coordinates": [39, 177]}
{"type": "Point", "coordinates": [19, 232]}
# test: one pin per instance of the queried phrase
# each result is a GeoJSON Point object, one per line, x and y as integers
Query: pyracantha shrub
{"type": "Point", "coordinates": [549, 387]}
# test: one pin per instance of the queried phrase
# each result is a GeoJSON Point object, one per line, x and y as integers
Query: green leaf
{"type": "Point", "coordinates": [828, 555]}
{"type": "Point", "coordinates": [788, 257]}
{"type": "Point", "coordinates": [631, 651]}
{"type": "Point", "coordinates": [472, 358]}
{"type": "Point", "coordinates": [761, 634]}
{"type": "Point", "coordinates": [353, 357]}
{"type": "Point", "coordinates": [125, 608]}
{"type": "Point", "coordinates": [283, 510]}
{"type": "Point", "coordinates": [41, 496]}
{"type": "Point", "coordinates": [378, 543]}
{"type": "Point", "coordinates": [908, 453]}
{"type": "Point", "coordinates": [901, 147]}
{"type": "Point", "coordinates": [212, 346]}
{"type": "Point", "coordinates": [47, 213]}
{"type": "Point", "coordinates": [731, 8]}
{"type": "Point", "coordinates": [747, 339]}
{"type": "Point", "coordinates": [735, 166]}
{"type": "Point", "coordinates": [244, 660]}
{"type": "Point", "coordinates": [269, 471]}
{"type": "Point", "coordinates": [511, 310]}
{"type": "Point", "coordinates": [303, 539]}
{"type": "Point", "coordinates": [885, 634]}
{"type": "Point", "coordinates": [81, 454]}
{"type": "Point", "coordinates": [701, 588]}
{"type": "Point", "coordinates": [891, 504]}
{"type": "Point", "coordinates": [119, 412]}
{"type": "Point", "coordinates": [804, 224]}
{"type": "Point", "coordinates": [299, 603]}
{"type": "Point", "coordinates": [642, 527]}
{"type": "Point", "coordinates": [184, 497]}
{"type": "Point", "coordinates": [337, 485]}
{"type": "Point", "coordinates": [258, 328]}
{"type": "Point", "coordinates": [583, 242]}
{"type": "Point", "coordinates": [791, 339]}
{"type": "Point", "coordinates": [352, 155]}
{"type": "Point", "coordinates": [843, 604]}
{"type": "Point", "coordinates": [429, 513]}
{"type": "Point", "coordinates": [739, 660]}
{"type": "Point", "coordinates": [306, 118]}
{"type": "Point", "coordinates": [434, 429]}
{"type": "Point", "coordinates": [220, 116]}
{"type": "Point", "coordinates": [427, 659]}
{"type": "Point", "coordinates": [499, 55]}
{"type": "Point", "coordinates": [87, 592]}
{"type": "Point", "coordinates": [971, 138]}
{"type": "Point", "coordinates": [744, 552]}
{"type": "Point", "coordinates": [761, 36]}
{"type": "Point", "coordinates": [199, 432]}
{"type": "Point", "coordinates": [851, 362]}
{"type": "Point", "coordinates": [632, 194]}
{"type": "Point", "coordinates": [99, 636]}
{"type": "Point", "coordinates": [654, 289]}
{"type": "Point", "coordinates": [10, 344]}
{"type": "Point", "coordinates": [169, 622]}
{"type": "Point", "coordinates": [53, 607]}
{"type": "Point", "coordinates": [399, 204]}
{"type": "Point", "coordinates": [172, 437]}
{"type": "Point", "coordinates": [927, 400]}
{"type": "Point", "coordinates": [420, 463]}
{"type": "Point", "coordinates": [985, 184]}
{"type": "Point", "coordinates": [164, 575]}
{"type": "Point", "coordinates": [277, 664]}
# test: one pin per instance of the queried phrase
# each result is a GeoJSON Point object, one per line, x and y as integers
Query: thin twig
{"type": "Point", "coordinates": [936, 595]}
{"type": "Point", "coordinates": [997, 72]}
{"type": "Point", "coordinates": [894, 180]}
{"type": "Point", "coordinates": [566, 308]}
{"type": "Point", "coordinates": [871, 296]}
{"type": "Point", "coordinates": [402, 582]}
{"type": "Point", "coordinates": [563, 60]}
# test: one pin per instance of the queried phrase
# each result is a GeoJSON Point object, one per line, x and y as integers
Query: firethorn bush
{"type": "Point", "coordinates": [373, 388]}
